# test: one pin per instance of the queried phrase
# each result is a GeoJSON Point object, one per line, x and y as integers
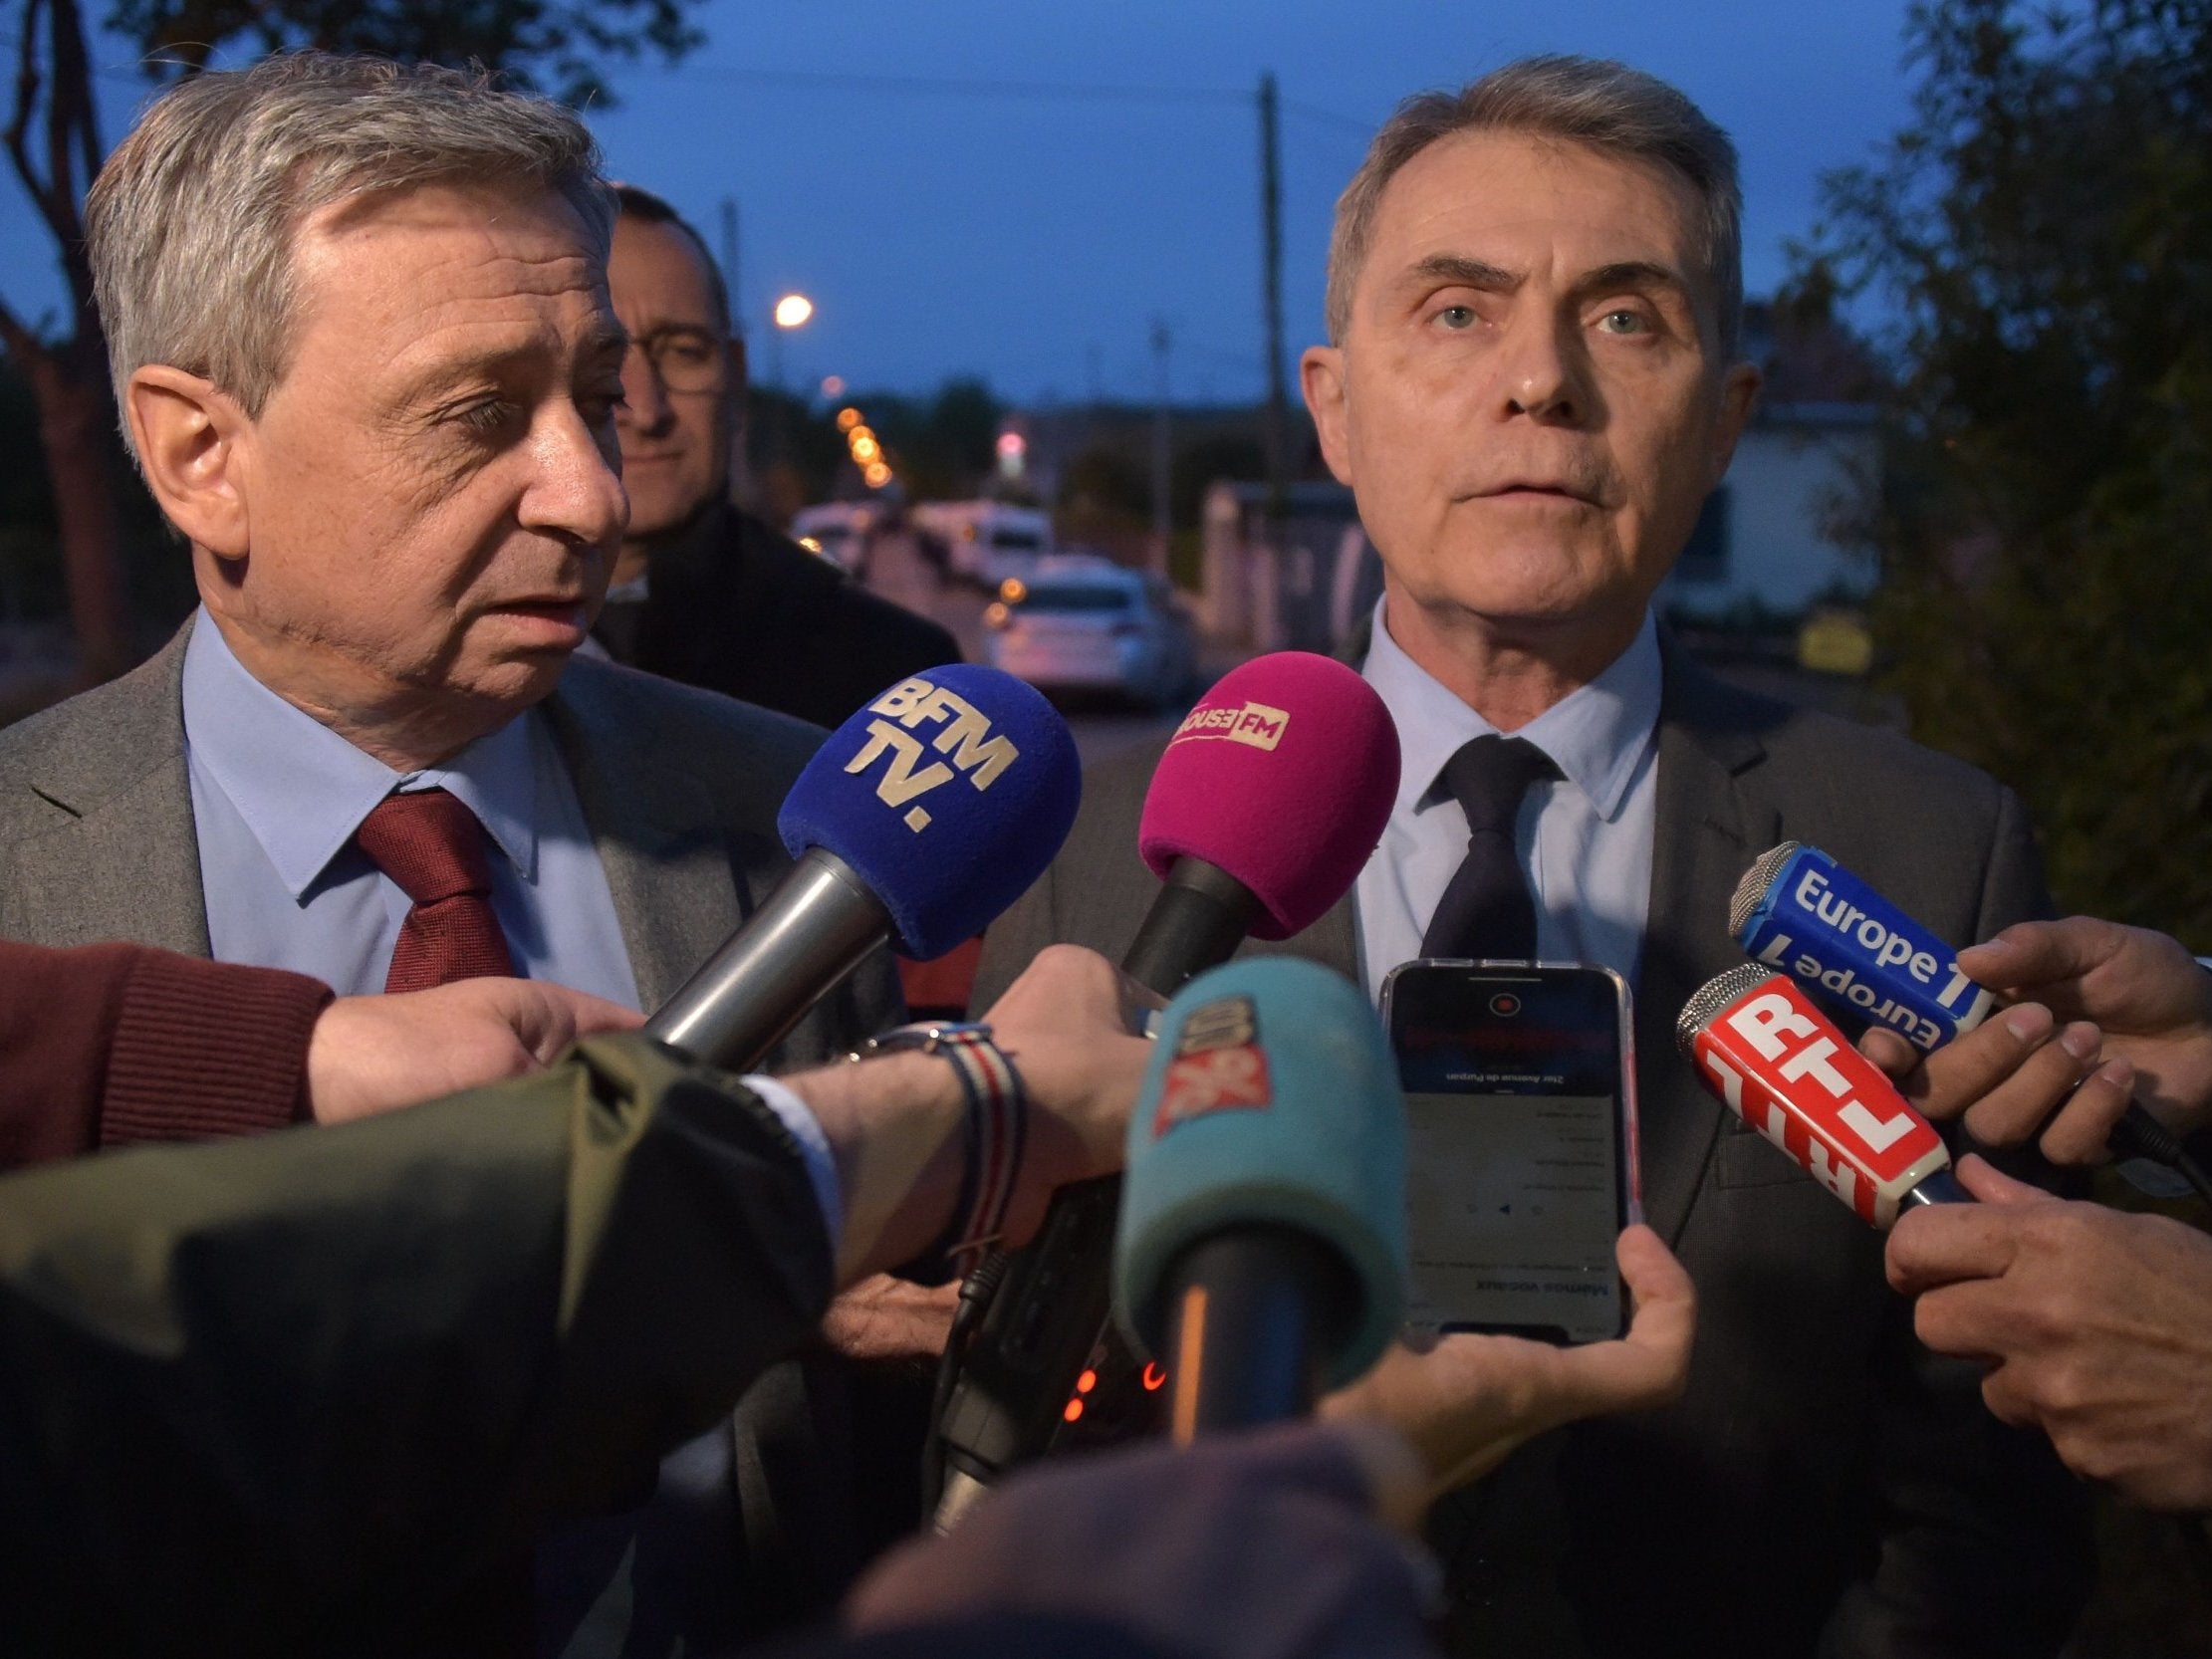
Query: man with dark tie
{"type": "Point", "coordinates": [363, 345]}
{"type": "Point", "coordinates": [1531, 384]}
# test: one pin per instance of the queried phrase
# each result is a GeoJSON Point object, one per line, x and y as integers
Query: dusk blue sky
{"type": "Point", "coordinates": [1032, 237]}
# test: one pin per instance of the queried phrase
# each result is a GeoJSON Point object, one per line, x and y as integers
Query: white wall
{"type": "Point", "coordinates": [1786, 469]}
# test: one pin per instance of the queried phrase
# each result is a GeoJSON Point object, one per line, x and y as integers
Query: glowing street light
{"type": "Point", "coordinates": [792, 311]}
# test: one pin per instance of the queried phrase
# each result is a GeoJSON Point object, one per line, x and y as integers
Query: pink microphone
{"type": "Point", "coordinates": [1271, 796]}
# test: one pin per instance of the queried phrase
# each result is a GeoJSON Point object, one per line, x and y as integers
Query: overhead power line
{"type": "Point", "coordinates": [935, 86]}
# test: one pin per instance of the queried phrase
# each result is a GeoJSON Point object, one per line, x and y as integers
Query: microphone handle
{"type": "Point", "coordinates": [816, 927]}
{"type": "Point", "coordinates": [1940, 1188]}
{"type": "Point", "coordinates": [1196, 921]}
{"type": "Point", "coordinates": [1049, 1313]}
{"type": "Point", "coordinates": [1253, 1312]}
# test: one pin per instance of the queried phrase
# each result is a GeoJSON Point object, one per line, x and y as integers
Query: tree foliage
{"type": "Point", "coordinates": [2043, 234]}
{"type": "Point", "coordinates": [559, 46]}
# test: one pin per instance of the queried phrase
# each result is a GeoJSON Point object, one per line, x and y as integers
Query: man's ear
{"type": "Point", "coordinates": [191, 447]}
{"type": "Point", "coordinates": [1321, 379]}
{"type": "Point", "coordinates": [1739, 391]}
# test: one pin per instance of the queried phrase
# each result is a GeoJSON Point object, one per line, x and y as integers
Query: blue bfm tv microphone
{"type": "Point", "coordinates": [1262, 1250]}
{"type": "Point", "coordinates": [916, 824]}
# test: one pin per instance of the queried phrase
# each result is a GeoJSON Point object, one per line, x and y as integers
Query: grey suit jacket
{"type": "Point", "coordinates": [680, 789]}
{"type": "Point", "coordinates": [1823, 1486]}
{"type": "Point", "coordinates": [679, 786]}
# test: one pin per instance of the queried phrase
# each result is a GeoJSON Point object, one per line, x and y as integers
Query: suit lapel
{"type": "Point", "coordinates": [121, 860]}
{"type": "Point", "coordinates": [1710, 826]}
{"type": "Point", "coordinates": [668, 861]}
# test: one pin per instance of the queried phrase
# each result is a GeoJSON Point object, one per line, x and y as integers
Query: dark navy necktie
{"type": "Point", "coordinates": [1488, 911]}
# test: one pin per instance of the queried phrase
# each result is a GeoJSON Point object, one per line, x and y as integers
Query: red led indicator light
{"type": "Point", "coordinates": [1087, 1381]}
{"type": "Point", "coordinates": [1154, 1378]}
{"type": "Point", "coordinates": [1074, 1410]}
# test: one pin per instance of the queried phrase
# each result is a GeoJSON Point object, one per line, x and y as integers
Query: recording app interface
{"type": "Point", "coordinates": [1513, 1199]}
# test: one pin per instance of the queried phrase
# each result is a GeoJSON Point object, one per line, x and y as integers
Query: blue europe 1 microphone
{"type": "Point", "coordinates": [916, 824]}
{"type": "Point", "coordinates": [1261, 1251]}
{"type": "Point", "coordinates": [1801, 913]}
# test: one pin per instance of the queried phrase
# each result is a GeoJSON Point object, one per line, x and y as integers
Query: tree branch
{"type": "Point", "coordinates": [23, 345]}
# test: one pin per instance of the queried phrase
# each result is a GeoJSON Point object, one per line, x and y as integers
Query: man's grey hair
{"type": "Point", "coordinates": [1605, 106]}
{"type": "Point", "coordinates": [190, 225]}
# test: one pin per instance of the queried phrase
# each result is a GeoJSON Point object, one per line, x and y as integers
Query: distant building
{"type": "Point", "coordinates": [1764, 543]}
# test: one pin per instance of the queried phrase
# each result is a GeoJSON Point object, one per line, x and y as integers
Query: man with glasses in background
{"type": "Point", "coordinates": [703, 592]}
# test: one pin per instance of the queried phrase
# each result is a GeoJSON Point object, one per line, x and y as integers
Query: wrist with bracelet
{"type": "Point", "coordinates": [994, 1128]}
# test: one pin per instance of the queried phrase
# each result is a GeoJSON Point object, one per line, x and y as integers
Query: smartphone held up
{"type": "Point", "coordinates": [1519, 1087]}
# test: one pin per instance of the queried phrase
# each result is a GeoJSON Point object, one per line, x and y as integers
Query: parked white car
{"type": "Point", "coordinates": [1081, 622]}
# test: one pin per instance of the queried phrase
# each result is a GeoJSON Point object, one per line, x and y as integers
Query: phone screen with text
{"type": "Point", "coordinates": [1517, 1190]}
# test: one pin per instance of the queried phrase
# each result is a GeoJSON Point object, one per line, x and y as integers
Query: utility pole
{"type": "Point", "coordinates": [741, 462]}
{"type": "Point", "coordinates": [1161, 527]}
{"type": "Point", "coordinates": [735, 295]}
{"type": "Point", "coordinates": [1277, 431]}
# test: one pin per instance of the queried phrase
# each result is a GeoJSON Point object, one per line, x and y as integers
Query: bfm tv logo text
{"type": "Point", "coordinates": [965, 738]}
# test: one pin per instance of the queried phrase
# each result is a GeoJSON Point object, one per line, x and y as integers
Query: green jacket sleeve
{"type": "Point", "coordinates": [247, 1389]}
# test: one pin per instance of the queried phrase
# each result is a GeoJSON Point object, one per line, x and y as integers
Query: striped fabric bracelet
{"type": "Point", "coordinates": [995, 1128]}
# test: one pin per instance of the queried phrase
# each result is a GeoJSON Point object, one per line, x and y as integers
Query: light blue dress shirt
{"type": "Point", "coordinates": [276, 799]}
{"type": "Point", "coordinates": [1584, 840]}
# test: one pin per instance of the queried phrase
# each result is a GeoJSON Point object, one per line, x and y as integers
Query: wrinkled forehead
{"type": "Point", "coordinates": [1507, 198]}
{"type": "Point", "coordinates": [405, 273]}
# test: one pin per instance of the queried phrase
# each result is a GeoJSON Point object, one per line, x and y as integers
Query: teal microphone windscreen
{"type": "Point", "coordinates": [1271, 1102]}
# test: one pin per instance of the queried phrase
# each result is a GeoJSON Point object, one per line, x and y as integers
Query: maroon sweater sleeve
{"type": "Point", "coordinates": [107, 1045]}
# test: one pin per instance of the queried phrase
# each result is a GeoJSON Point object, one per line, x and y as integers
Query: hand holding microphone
{"type": "Point", "coordinates": [2150, 998]}
{"type": "Point", "coordinates": [1796, 910]}
{"type": "Point", "coordinates": [2096, 1328]}
{"type": "Point", "coordinates": [893, 1123]}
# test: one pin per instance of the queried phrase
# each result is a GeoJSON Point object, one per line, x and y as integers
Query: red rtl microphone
{"type": "Point", "coordinates": [1777, 1063]}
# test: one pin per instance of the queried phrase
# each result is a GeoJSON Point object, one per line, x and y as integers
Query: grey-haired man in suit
{"type": "Point", "coordinates": [1531, 386]}
{"type": "Point", "coordinates": [367, 363]}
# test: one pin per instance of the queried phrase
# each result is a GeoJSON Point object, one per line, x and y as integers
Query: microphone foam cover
{"type": "Point", "coordinates": [1283, 776]}
{"type": "Point", "coordinates": [947, 795]}
{"type": "Point", "coordinates": [1270, 1100]}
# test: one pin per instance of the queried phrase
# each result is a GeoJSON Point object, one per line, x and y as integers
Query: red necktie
{"type": "Point", "coordinates": [432, 847]}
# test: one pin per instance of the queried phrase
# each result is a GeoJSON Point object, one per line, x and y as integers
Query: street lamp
{"type": "Point", "coordinates": [792, 311]}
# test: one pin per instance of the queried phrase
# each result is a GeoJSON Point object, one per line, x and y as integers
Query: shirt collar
{"type": "Point", "coordinates": [303, 790]}
{"type": "Point", "coordinates": [1595, 734]}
